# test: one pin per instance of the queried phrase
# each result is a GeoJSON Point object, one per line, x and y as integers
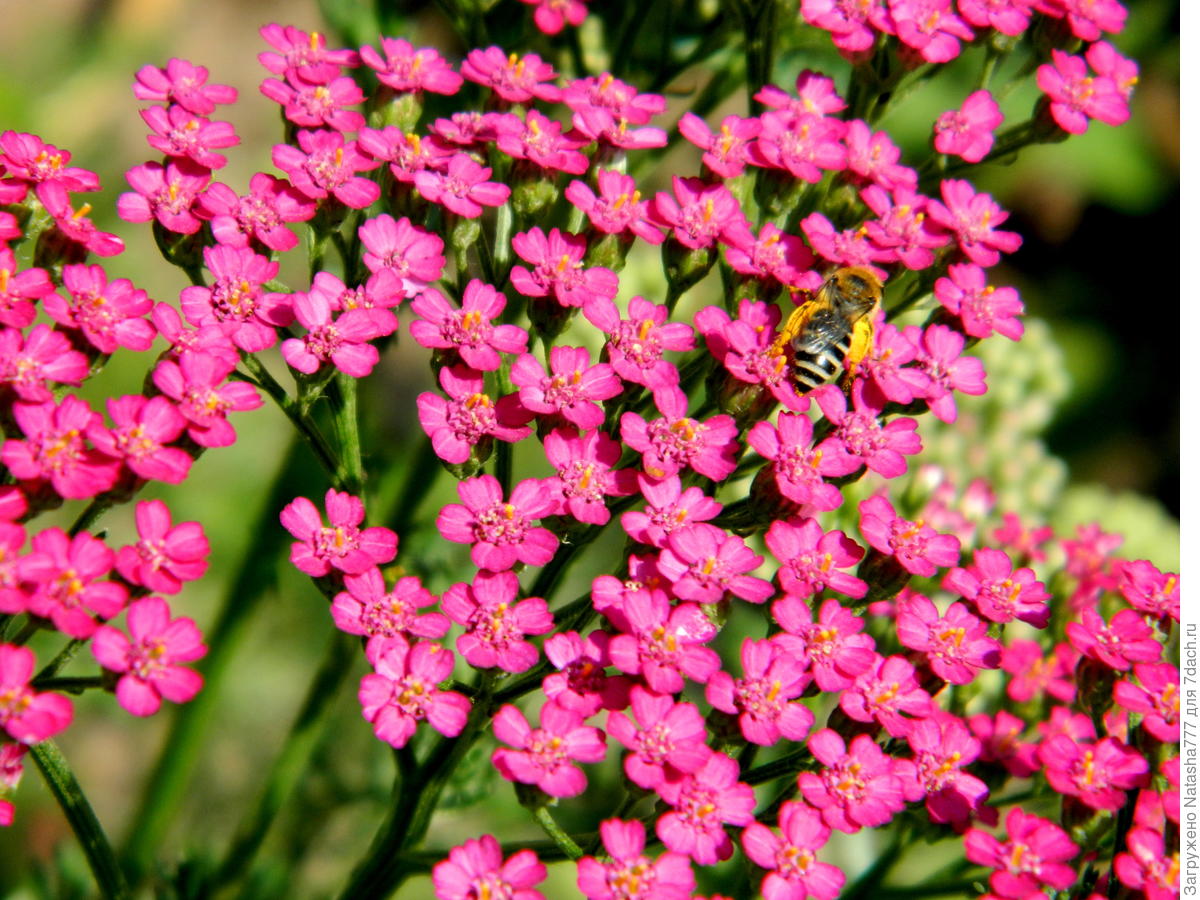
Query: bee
{"type": "Point", "coordinates": [834, 330]}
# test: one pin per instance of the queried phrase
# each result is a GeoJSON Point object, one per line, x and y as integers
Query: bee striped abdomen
{"type": "Point", "coordinates": [813, 368]}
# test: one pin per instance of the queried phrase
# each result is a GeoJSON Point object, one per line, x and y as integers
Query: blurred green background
{"type": "Point", "coordinates": [1097, 388]}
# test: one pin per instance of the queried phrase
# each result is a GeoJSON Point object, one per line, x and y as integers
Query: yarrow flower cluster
{"type": "Point", "coordinates": [566, 408]}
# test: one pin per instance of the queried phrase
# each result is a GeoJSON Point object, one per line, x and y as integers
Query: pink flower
{"type": "Point", "coordinates": [406, 69]}
{"type": "Point", "coordinates": [167, 194]}
{"type": "Point", "coordinates": [1009, 17]}
{"type": "Point", "coordinates": [703, 802]}
{"type": "Point", "coordinates": [675, 441]}
{"type": "Point", "coordinates": [746, 348]}
{"type": "Point", "coordinates": [468, 330]}
{"type": "Point", "coordinates": [837, 653]}
{"type": "Point", "coordinates": [539, 140]}
{"type": "Point", "coordinates": [1149, 590]}
{"type": "Point", "coordinates": [939, 355]}
{"type": "Point", "coordinates": [109, 313]}
{"type": "Point", "coordinates": [1031, 674]}
{"type": "Point", "coordinates": [29, 362]}
{"type": "Point", "coordinates": [797, 469]}
{"type": "Point", "coordinates": [773, 254]}
{"type": "Point", "coordinates": [1098, 774]}
{"type": "Point", "coordinates": [619, 208]}
{"type": "Point", "coordinates": [163, 557]}
{"type": "Point", "coordinates": [761, 698]}
{"type": "Point", "coordinates": [916, 546]}
{"type": "Point", "coordinates": [999, 593]}
{"type": "Point", "coordinates": [630, 875]}
{"type": "Point", "coordinates": [559, 269]}
{"type": "Point", "coordinates": [700, 214]}
{"type": "Point", "coordinates": [1157, 698]}
{"type": "Point", "coordinates": [341, 545]}
{"type": "Point", "coordinates": [857, 788]}
{"type": "Point", "coordinates": [1000, 741]}
{"type": "Point", "coordinates": [545, 755]}
{"type": "Point", "coordinates": [704, 563]}
{"type": "Point", "coordinates": [462, 188]}
{"type": "Point", "coordinates": [317, 105]}
{"type": "Point", "coordinates": [182, 83]}
{"type": "Point", "coordinates": [1035, 855]}
{"type": "Point", "coordinates": [326, 164]}
{"type": "Point", "coordinates": [408, 251]}
{"type": "Point", "coordinates": [980, 307]}
{"type": "Point", "coordinates": [141, 431]}
{"type": "Point", "coordinates": [18, 290]}
{"type": "Point", "coordinates": [903, 231]}
{"type": "Point", "coordinates": [501, 532]}
{"type": "Point", "coordinates": [183, 135]}
{"type": "Point", "coordinates": [793, 871]}
{"type": "Point", "coordinates": [884, 693]}
{"type": "Point", "coordinates": [586, 473]}
{"type": "Point", "coordinates": [344, 342]}
{"type": "Point", "coordinates": [27, 716]}
{"type": "Point", "coordinates": [881, 447]}
{"type": "Point", "coordinates": [516, 79]}
{"type": "Point", "coordinates": [579, 684]}
{"type": "Point", "coordinates": [403, 691]}
{"type": "Point", "coordinates": [967, 132]}
{"type": "Point", "coordinates": [149, 663]}
{"type": "Point", "coordinates": [942, 746]}
{"type": "Point", "coordinates": [668, 739]}
{"type": "Point", "coordinates": [368, 608]}
{"type": "Point", "coordinates": [668, 508]}
{"type": "Point", "coordinates": [469, 418]}
{"type": "Point", "coordinates": [11, 770]}
{"type": "Point", "coordinates": [1126, 640]}
{"type": "Point", "coordinates": [872, 157]}
{"type": "Point", "coordinates": [930, 27]}
{"type": "Point", "coordinates": [30, 159]}
{"type": "Point", "coordinates": [262, 215]}
{"type": "Point", "coordinates": [1146, 867]}
{"type": "Point", "coordinates": [573, 389]}
{"type": "Point", "coordinates": [236, 300]}
{"type": "Point", "coordinates": [197, 385]}
{"type": "Point", "coordinates": [956, 644]}
{"type": "Point", "coordinates": [973, 219]}
{"type": "Point", "coordinates": [1088, 18]}
{"type": "Point", "coordinates": [551, 15]}
{"type": "Point", "coordinates": [477, 869]}
{"type": "Point", "coordinates": [1024, 542]}
{"type": "Point", "coordinates": [636, 345]}
{"type": "Point", "coordinates": [73, 224]}
{"type": "Point", "coordinates": [610, 94]}
{"type": "Point", "coordinates": [664, 644]}
{"type": "Point", "coordinates": [809, 559]}
{"type": "Point", "coordinates": [849, 23]}
{"type": "Point", "coordinates": [724, 150]}
{"type": "Point", "coordinates": [54, 449]}
{"type": "Point", "coordinates": [303, 53]}
{"type": "Point", "coordinates": [806, 145]}
{"type": "Point", "coordinates": [496, 625]}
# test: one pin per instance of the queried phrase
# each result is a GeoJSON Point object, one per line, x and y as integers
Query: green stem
{"type": "Point", "coordinates": [187, 739]}
{"type": "Point", "coordinates": [74, 804]}
{"type": "Point", "coordinates": [68, 685]}
{"type": "Point", "coordinates": [345, 424]}
{"type": "Point", "coordinates": [293, 759]}
{"type": "Point", "coordinates": [290, 408]}
{"type": "Point", "coordinates": [560, 837]}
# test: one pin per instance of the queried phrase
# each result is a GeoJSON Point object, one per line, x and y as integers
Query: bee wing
{"type": "Point", "coordinates": [862, 339]}
{"type": "Point", "coordinates": [795, 324]}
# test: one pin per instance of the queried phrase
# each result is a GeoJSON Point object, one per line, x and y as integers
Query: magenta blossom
{"type": "Point", "coordinates": [700, 214]}
{"type": "Point", "coordinates": [1156, 697]}
{"type": "Point", "coordinates": [326, 164]}
{"type": "Point", "coordinates": [184, 84]}
{"type": "Point", "coordinates": [149, 659]}
{"type": "Point", "coordinates": [367, 607]}
{"type": "Point", "coordinates": [999, 593]}
{"type": "Point", "coordinates": [872, 157]}
{"type": "Point", "coordinates": [1035, 854]}
{"type": "Point", "coordinates": [942, 746]}
{"type": "Point", "coordinates": [668, 739]}
{"type": "Point", "coordinates": [344, 341]}
{"type": "Point", "coordinates": [411, 70]}
{"type": "Point", "coordinates": [1125, 640]}
{"type": "Point", "coordinates": [674, 442]}
{"type": "Point", "coordinates": [236, 300]}
{"type": "Point", "coordinates": [551, 15]}
{"type": "Point", "coordinates": [516, 79]}
{"type": "Point", "coordinates": [54, 449]}
{"type": "Point", "coordinates": [29, 363]}
{"type": "Point", "coordinates": [1146, 866]}
{"type": "Point", "coordinates": [403, 691]}
{"type": "Point", "coordinates": [19, 289]}
{"type": "Point", "coordinates": [572, 391]}
{"type": "Point", "coordinates": [167, 194]}
{"type": "Point", "coordinates": [836, 650]}
{"type": "Point", "coordinates": [469, 330]}
{"type": "Point", "coordinates": [636, 344]}
{"type": "Point", "coordinates": [478, 869]}
{"type": "Point", "coordinates": [317, 105]}
{"type": "Point", "coordinates": [619, 208]}
{"type": "Point", "coordinates": [885, 693]}
{"type": "Point", "coordinates": [702, 803]}
{"type": "Point", "coordinates": [630, 875]}
{"type": "Point", "coordinates": [967, 132]}
{"type": "Point", "coordinates": [797, 469]}
{"type": "Point", "coordinates": [793, 871]}
{"type": "Point", "coordinates": [580, 684]}
{"type": "Point", "coordinates": [804, 145]}
{"type": "Point", "coordinates": [725, 150]}
{"type": "Point", "coordinates": [468, 418]}
{"type": "Point", "coordinates": [501, 532]}
{"type": "Point", "coordinates": [496, 623]}
{"type": "Point", "coordinates": [973, 219]}
{"type": "Point", "coordinates": [668, 508]}
{"type": "Point", "coordinates": [939, 349]}
{"type": "Point", "coordinates": [809, 559]}
{"type": "Point", "coordinates": [262, 215]}
{"type": "Point", "coordinates": [67, 581]}
{"type": "Point", "coordinates": [164, 558]}
{"type": "Point", "coordinates": [341, 545]}
{"type": "Point", "coordinates": [545, 756]}
{"type": "Point", "coordinates": [704, 563]}
{"type": "Point", "coordinates": [1149, 590]}
{"type": "Point", "coordinates": [881, 447]}
{"type": "Point", "coordinates": [1098, 774]}
{"type": "Point", "coordinates": [858, 786]}
{"type": "Point", "coordinates": [142, 430]}
{"type": "Point", "coordinates": [25, 715]}
{"type": "Point", "coordinates": [462, 188]}
{"type": "Point", "coordinates": [559, 269]}
{"type": "Point", "coordinates": [980, 307]}
{"type": "Point", "coordinates": [185, 136]}
{"type": "Point", "coordinates": [407, 250]}
{"type": "Point", "coordinates": [762, 697]}
{"type": "Point", "coordinates": [108, 313]}
{"type": "Point", "coordinates": [664, 644]}
{"type": "Point", "coordinates": [586, 473]}
{"type": "Point", "coordinates": [916, 546]}
{"type": "Point", "coordinates": [197, 385]}
{"type": "Point", "coordinates": [956, 645]}
{"type": "Point", "coordinates": [304, 53]}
